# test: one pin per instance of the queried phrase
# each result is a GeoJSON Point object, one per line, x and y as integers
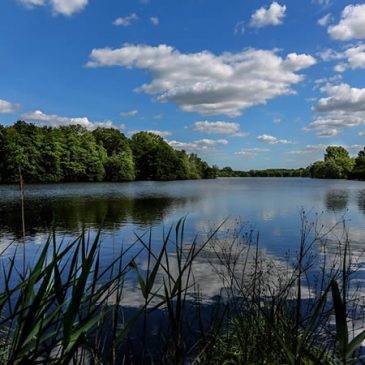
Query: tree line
{"type": "Point", "coordinates": [229, 172]}
{"type": "Point", "coordinates": [75, 154]}
{"type": "Point", "coordinates": [337, 164]}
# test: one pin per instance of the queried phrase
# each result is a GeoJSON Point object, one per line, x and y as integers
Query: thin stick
{"type": "Point", "coordinates": [21, 183]}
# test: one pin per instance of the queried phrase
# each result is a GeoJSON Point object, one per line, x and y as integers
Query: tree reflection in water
{"type": "Point", "coordinates": [70, 214]}
{"type": "Point", "coordinates": [337, 200]}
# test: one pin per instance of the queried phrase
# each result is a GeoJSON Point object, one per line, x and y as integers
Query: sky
{"type": "Point", "coordinates": [248, 84]}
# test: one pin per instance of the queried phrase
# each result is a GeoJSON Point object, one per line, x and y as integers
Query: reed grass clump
{"type": "Point", "coordinates": [67, 307]}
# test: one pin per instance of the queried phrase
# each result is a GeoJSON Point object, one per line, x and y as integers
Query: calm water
{"type": "Point", "coordinates": [270, 205]}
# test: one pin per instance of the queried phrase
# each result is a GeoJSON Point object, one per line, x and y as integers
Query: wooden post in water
{"type": "Point", "coordinates": [21, 185]}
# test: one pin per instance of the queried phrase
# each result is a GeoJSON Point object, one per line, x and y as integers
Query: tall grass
{"type": "Point", "coordinates": [66, 307]}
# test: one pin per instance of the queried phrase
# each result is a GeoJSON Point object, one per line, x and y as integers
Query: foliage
{"type": "Point", "coordinates": [119, 164]}
{"type": "Point", "coordinates": [337, 164]}
{"type": "Point", "coordinates": [229, 172]}
{"type": "Point", "coordinates": [66, 307]}
{"type": "Point", "coordinates": [74, 154]}
{"type": "Point", "coordinates": [359, 169]}
{"type": "Point", "coordinates": [155, 159]}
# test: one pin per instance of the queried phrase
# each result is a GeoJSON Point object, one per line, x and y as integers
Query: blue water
{"type": "Point", "coordinates": [271, 206]}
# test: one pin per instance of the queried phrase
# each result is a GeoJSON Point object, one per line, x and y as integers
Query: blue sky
{"type": "Point", "coordinates": [250, 84]}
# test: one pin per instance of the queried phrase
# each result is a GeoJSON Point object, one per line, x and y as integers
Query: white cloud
{"type": "Point", "coordinates": [64, 7]}
{"type": "Point", "coordinates": [162, 134]}
{"type": "Point", "coordinates": [32, 3]}
{"type": "Point", "coordinates": [328, 55]}
{"type": "Point", "coordinates": [219, 127]}
{"type": "Point", "coordinates": [205, 83]}
{"type": "Point", "coordinates": [351, 25]}
{"type": "Point", "coordinates": [316, 148]}
{"type": "Point", "coordinates": [343, 107]}
{"type": "Point", "coordinates": [126, 21]}
{"type": "Point", "coordinates": [326, 80]}
{"type": "Point", "coordinates": [129, 114]}
{"type": "Point", "coordinates": [277, 120]}
{"type": "Point", "coordinates": [309, 149]}
{"type": "Point", "coordinates": [342, 97]}
{"type": "Point", "coordinates": [341, 67]}
{"type": "Point", "coordinates": [325, 20]}
{"type": "Point", "coordinates": [322, 2]}
{"type": "Point", "coordinates": [155, 21]}
{"type": "Point", "coordinates": [68, 7]}
{"type": "Point", "coordinates": [199, 145]}
{"type": "Point", "coordinates": [54, 120]}
{"type": "Point", "coordinates": [361, 134]}
{"type": "Point", "coordinates": [266, 138]}
{"type": "Point", "coordinates": [7, 107]}
{"type": "Point", "coordinates": [330, 132]}
{"type": "Point", "coordinates": [355, 57]}
{"type": "Point", "coordinates": [239, 28]}
{"type": "Point", "coordinates": [355, 147]}
{"type": "Point", "coordinates": [272, 15]}
{"type": "Point", "coordinates": [351, 58]}
{"type": "Point", "coordinates": [251, 152]}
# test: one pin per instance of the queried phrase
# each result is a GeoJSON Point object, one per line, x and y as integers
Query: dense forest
{"type": "Point", "coordinates": [73, 154]}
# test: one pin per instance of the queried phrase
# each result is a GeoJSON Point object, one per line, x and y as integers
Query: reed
{"type": "Point", "coordinates": [65, 307]}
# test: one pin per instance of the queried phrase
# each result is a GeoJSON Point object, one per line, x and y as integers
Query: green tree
{"type": "Point", "coordinates": [72, 153]}
{"type": "Point", "coordinates": [22, 149]}
{"type": "Point", "coordinates": [154, 158]}
{"type": "Point", "coordinates": [226, 172]}
{"type": "Point", "coordinates": [337, 164]}
{"type": "Point", "coordinates": [119, 163]}
{"type": "Point", "coordinates": [359, 169]}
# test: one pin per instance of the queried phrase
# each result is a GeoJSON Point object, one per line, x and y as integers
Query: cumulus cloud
{"type": "Point", "coordinates": [273, 15]}
{"type": "Point", "coordinates": [126, 21]}
{"type": "Point", "coordinates": [155, 21]}
{"type": "Point", "coordinates": [342, 98]}
{"type": "Point", "coordinates": [68, 7]}
{"type": "Point", "coordinates": [266, 138]}
{"type": "Point", "coordinates": [162, 134]}
{"type": "Point", "coordinates": [351, 25]}
{"type": "Point", "coordinates": [8, 107]}
{"type": "Point", "coordinates": [63, 7]}
{"type": "Point", "coordinates": [129, 114]}
{"type": "Point", "coordinates": [351, 58]}
{"type": "Point", "coordinates": [251, 152]}
{"type": "Point", "coordinates": [325, 20]}
{"type": "Point", "coordinates": [219, 127]}
{"type": "Point", "coordinates": [343, 107]}
{"type": "Point", "coordinates": [206, 83]}
{"type": "Point", "coordinates": [199, 145]}
{"type": "Point", "coordinates": [54, 120]}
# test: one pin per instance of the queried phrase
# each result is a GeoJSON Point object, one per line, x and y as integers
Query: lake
{"type": "Point", "coordinates": [272, 206]}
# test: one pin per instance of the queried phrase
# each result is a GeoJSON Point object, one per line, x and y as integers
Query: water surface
{"type": "Point", "coordinates": [272, 206]}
